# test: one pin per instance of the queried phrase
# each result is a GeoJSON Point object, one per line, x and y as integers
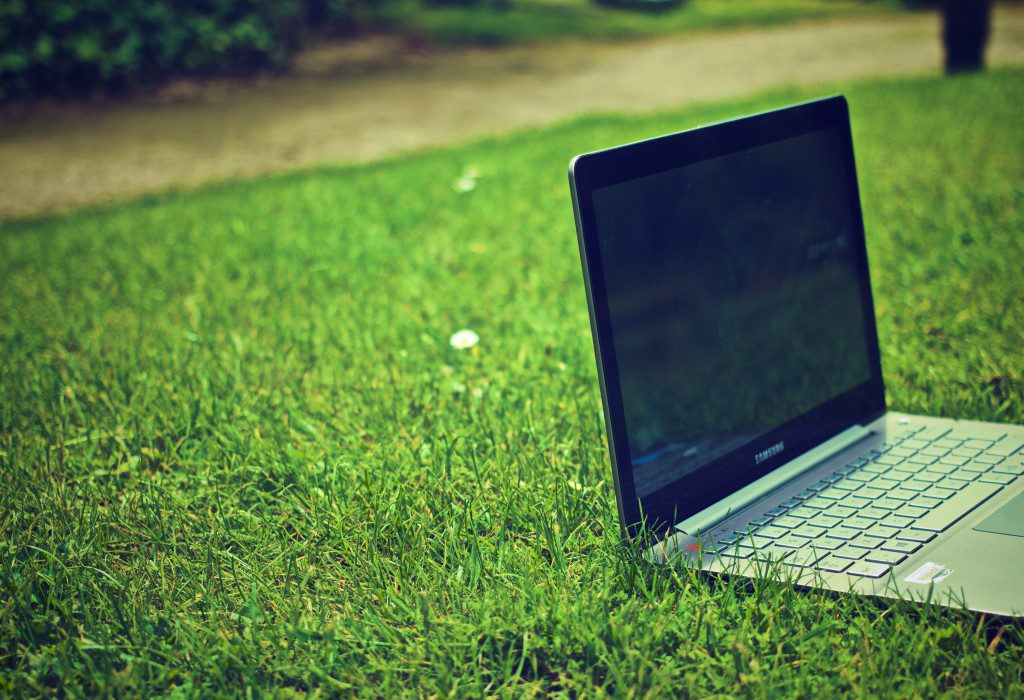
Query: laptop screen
{"type": "Point", "coordinates": [735, 299]}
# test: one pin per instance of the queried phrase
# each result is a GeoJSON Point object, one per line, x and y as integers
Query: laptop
{"type": "Point", "coordinates": [727, 279]}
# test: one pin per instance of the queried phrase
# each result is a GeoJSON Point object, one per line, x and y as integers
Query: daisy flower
{"type": "Point", "coordinates": [464, 339]}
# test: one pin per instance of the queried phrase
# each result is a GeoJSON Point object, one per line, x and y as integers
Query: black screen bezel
{"type": "Point", "coordinates": [723, 476]}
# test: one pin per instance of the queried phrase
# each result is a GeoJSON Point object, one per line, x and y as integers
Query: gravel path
{"type": "Point", "coordinates": [376, 97]}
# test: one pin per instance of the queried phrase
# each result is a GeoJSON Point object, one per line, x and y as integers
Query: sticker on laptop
{"type": "Point", "coordinates": [930, 572]}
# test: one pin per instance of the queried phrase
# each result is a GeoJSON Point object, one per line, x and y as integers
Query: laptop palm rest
{"type": "Point", "coordinates": [1008, 520]}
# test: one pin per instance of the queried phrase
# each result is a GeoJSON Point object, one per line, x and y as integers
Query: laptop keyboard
{"type": "Point", "coordinates": [870, 515]}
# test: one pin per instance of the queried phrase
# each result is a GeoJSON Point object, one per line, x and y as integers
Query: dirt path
{"type": "Point", "coordinates": [374, 98]}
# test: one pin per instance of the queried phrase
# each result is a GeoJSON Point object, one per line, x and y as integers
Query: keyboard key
{"type": "Point", "coordinates": [856, 502]}
{"type": "Point", "coordinates": [915, 444]}
{"type": "Point", "coordinates": [825, 521]}
{"type": "Point", "coordinates": [834, 494]}
{"type": "Point", "coordinates": [848, 486]}
{"type": "Point", "coordinates": [868, 569]}
{"type": "Point", "coordinates": [951, 510]}
{"type": "Point", "coordinates": [941, 492]}
{"type": "Point", "coordinates": [954, 460]}
{"type": "Point", "coordinates": [843, 533]}
{"type": "Point", "coordinates": [772, 532]}
{"type": "Point", "coordinates": [787, 521]}
{"type": "Point", "coordinates": [863, 477]}
{"type": "Point", "coordinates": [818, 503]}
{"type": "Point", "coordinates": [997, 478]}
{"type": "Point", "coordinates": [791, 542]}
{"type": "Point", "coordinates": [878, 488]}
{"type": "Point", "coordinates": [841, 511]}
{"type": "Point", "coordinates": [888, 458]}
{"type": "Point", "coordinates": [804, 557]}
{"type": "Point", "coordinates": [940, 468]}
{"type": "Point", "coordinates": [948, 443]}
{"type": "Point", "coordinates": [976, 467]}
{"type": "Point", "coordinates": [964, 452]}
{"type": "Point", "coordinates": [928, 477]}
{"type": "Point", "coordinates": [832, 564]}
{"type": "Point", "coordinates": [858, 523]}
{"type": "Point", "coordinates": [1006, 446]}
{"type": "Point", "coordinates": [737, 552]}
{"type": "Point", "coordinates": [867, 542]}
{"type": "Point", "coordinates": [808, 531]}
{"type": "Point", "coordinates": [926, 502]}
{"type": "Point", "coordinates": [985, 458]}
{"type": "Point", "coordinates": [913, 511]}
{"type": "Point", "coordinates": [969, 454]}
{"type": "Point", "coordinates": [873, 513]}
{"type": "Point", "coordinates": [978, 443]}
{"type": "Point", "coordinates": [1007, 468]}
{"type": "Point", "coordinates": [880, 556]}
{"type": "Point", "coordinates": [934, 451]}
{"type": "Point", "coordinates": [773, 553]}
{"type": "Point", "coordinates": [802, 512]}
{"type": "Point", "coordinates": [874, 469]}
{"type": "Point", "coordinates": [903, 546]}
{"type": "Point", "coordinates": [894, 520]}
{"type": "Point", "coordinates": [922, 459]}
{"type": "Point", "coordinates": [827, 542]}
{"type": "Point", "coordinates": [902, 495]}
{"type": "Point", "coordinates": [915, 485]}
{"type": "Point", "coordinates": [756, 541]}
{"type": "Point", "coordinates": [882, 531]}
{"type": "Point", "coordinates": [850, 552]}
{"type": "Point", "coordinates": [917, 535]}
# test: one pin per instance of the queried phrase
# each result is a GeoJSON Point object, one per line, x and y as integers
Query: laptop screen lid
{"type": "Point", "coordinates": [731, 306]}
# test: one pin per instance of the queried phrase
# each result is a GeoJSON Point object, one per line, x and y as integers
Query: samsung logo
{"type": "Point", "coordinates": [769, 452]}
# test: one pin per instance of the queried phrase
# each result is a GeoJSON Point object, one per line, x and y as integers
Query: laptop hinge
{"type": "Point", "coordinates": [750, 494]}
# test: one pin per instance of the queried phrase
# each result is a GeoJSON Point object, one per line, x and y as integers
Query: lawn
{"type": "Point", "coordinates": [519, 21]}
{"type": "Point", "coordinates": [237, 448]}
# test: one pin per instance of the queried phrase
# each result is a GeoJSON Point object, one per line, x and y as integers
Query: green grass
{"type": "Point", "coordinates": [539, 20]}
{"type": "Point", "coordinates": [238, 450]}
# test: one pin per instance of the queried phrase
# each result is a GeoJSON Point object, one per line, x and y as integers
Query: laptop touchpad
{"type": "Point", "coordinates": [1008, 520]}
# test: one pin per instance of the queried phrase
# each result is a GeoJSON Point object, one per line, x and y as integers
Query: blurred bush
{"type": "Point", "coordinates": [650, 5]}
{"type": "Point", "coordinates": [81, 46]}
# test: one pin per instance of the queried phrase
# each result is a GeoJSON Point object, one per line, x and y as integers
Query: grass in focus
{"type": "Point", "coordinates": [523, 21]}
{"type": "Point", "coordinates": [238, 449]}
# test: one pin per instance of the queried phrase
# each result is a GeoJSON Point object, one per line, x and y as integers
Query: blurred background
{"type": "Point", "coordinates": [102, 99]}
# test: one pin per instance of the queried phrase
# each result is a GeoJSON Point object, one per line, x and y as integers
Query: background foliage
{"type": "Point", "coordinates": [81, 47]}
{"type": "Point", "coordinates": [75, 46]}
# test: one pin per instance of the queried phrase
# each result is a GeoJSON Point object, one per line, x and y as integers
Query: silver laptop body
{"type": "Point", "coordinates": [734, 329]}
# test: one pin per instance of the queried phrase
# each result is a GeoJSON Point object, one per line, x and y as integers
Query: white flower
{"type": "Point", "coordinates": [464, 339]}
{"type": "Point", "coordinates": [464, 184]}
{"type": "Point", "coordinates": [467, 181]}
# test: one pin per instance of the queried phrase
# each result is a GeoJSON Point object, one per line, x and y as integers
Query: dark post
{"type": "Point", "coordinates": [965, 27]}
